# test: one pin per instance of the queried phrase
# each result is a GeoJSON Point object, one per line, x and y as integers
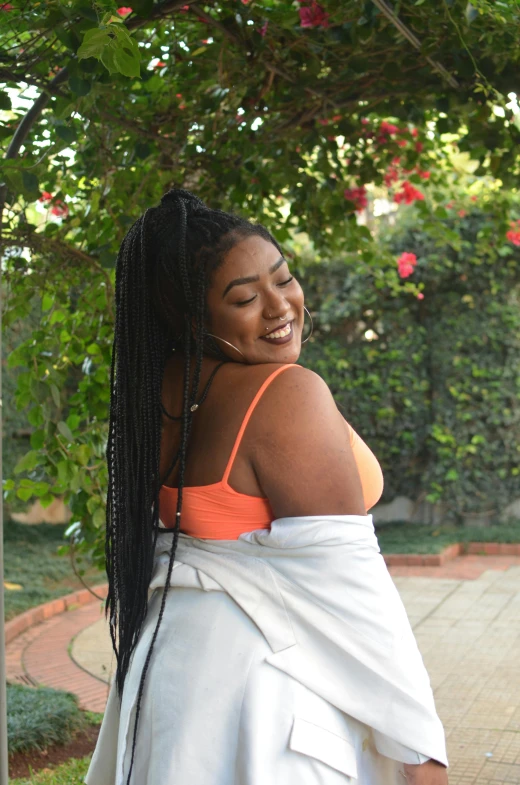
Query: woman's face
{"type": "Point", "coordinates": [253, 290]}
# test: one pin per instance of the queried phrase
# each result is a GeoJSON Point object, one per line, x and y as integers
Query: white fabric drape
{"type": "Point", "coordinates": [284, 657]}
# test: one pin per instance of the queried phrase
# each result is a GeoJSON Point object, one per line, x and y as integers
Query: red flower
{"type": "Point", "coordinates": [391, 176]}
{"type": "Point", "coordinates": [419, 147]}
{"type": "Point", "coordinates": [396, 160]}
{"type": "Point", "coordinates": [178, 95]}
{"type": "Point", "coordinates": [414, 132]}
{"type": "Point", "coordinates": [420, 296]}
{"type": "Point", "coordinates": [6, 7]}
{"type": "Point", "coordinates": [124, 10]}
{"type": "Point", "coordinates": [205, 40]}
{"type": "Point", "coordinates": [160, 64]}
{"type": "Point", "coordinates": [449, 206]}
{"type": "Point", "coordinates": [45, 197]}
{"type": "Point", "coordinates": [263, 29]}
{"type": "Point", "coordinates": [60, 209]}
{"type": "Point", "coordinates": [358, 196]}
{"type": "Point", "coordinates": [473, 198]}
{"type": "Point", "coordinates": [401, 143]}
{"type": "Point", "coordinates": [364, 121]}
{"type": "Point", "coordinates": [423, 174]}
{"type": "Point", "coordinates": [322, 121]}
{"type": "Point", "coordinates": [182, 106]}
{"type": "Point", "coordinates": [406, 264]}
{"type": "Point", "coordinates": [313, 15]}
{"type": "Point", "coordinates": [462, 213]}
{"type": "Point", "coordinates": [513, 235]}
{"type": "Point", "coordinates": [388, 128]}
{"type": "Point", "coordinates": [408, 194]}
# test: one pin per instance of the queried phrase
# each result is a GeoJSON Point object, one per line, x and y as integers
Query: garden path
{"type": "Point", "coordinates": [465, 618]}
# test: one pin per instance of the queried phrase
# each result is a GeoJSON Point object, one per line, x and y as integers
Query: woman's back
{"type": "Point", "coordinates": [296, 451]}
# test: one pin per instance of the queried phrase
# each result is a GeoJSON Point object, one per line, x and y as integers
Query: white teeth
{"type": "Point", "coordinates": [279, 333]}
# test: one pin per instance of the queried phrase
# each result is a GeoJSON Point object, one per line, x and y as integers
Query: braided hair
{"type": "Point", "coordinates": [163, 272]}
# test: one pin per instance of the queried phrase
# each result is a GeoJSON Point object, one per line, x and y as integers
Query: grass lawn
{"type": "Point", "coordinates": [419, 538]}
{"type": "Point", "coordinates": [31, 560]}
{"type": "Point", "coordinates": [70, 773]}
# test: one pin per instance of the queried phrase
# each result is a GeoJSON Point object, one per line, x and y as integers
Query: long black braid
{"type": "Point", "coordinates": [163, 272]}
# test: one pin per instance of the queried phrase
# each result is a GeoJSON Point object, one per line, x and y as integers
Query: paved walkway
{"type": "Point", "coordinates": [466, 618]}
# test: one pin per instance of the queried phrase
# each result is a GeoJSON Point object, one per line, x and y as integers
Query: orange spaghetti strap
{"type": "Point", "coordinates": [248, 415]}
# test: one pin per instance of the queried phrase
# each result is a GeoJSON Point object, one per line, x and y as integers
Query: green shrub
{"type": "Point", "coordinates": [434, 387]}
{"type": "Point", "coordinates": [39, 717]}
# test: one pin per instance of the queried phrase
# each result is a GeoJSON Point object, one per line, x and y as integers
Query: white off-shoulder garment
{"type": "Point", "coordinates": [283, 658]}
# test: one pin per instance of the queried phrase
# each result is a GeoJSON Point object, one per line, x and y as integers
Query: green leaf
{"type": "Point", "coordinates": [79, 86]}
{"type": "Point", "coordinates": [30, 186]}
{"type": "Point", "coordinates": [37, 439]}
{"type": "Point", "coordinates": [65, 431]}
{"type": "Point", "coordinates": [55, 395]}
{"type": "Point", "coordinates": [66, 133]}
{"type": "Point", "coordinates": [24, 494]}
{"type": "Point", "coordinates": [47, 301]}
{"type": "Point", "coordinates": [94, 42]}
{"type": "Point", "coordinates": [28, 462]}
{"type": "Point", "coordinates": [99, 517]}
{"type": "Point", "coordinates": [5, 101]}
{"type": "Point", "coordinates": [127, 57]}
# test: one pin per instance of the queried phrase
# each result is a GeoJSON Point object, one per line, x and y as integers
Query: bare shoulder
{"type": "Point", "coordinates": [301, 449]}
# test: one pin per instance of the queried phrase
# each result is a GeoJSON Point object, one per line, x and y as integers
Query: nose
{"type": "Point", "coordinates": [276, 306]}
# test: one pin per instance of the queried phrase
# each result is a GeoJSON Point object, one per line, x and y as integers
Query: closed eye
{"type": "Point", "coordinates": [283, 283]}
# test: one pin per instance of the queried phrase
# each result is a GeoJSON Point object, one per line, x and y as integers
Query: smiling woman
{"type": "Point", "coordinates": [228, 459]}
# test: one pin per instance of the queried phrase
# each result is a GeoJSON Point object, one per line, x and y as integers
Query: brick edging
{"type": "Point", "coordinates": [33, 616]}
{"type": "Point", "coordinates": [451, 552]}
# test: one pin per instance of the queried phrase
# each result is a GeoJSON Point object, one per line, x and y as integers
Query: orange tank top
{"type": "Point", "coordinates": [218, 512]}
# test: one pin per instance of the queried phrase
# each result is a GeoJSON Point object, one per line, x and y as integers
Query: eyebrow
{"type": "Point", "coordinates": [252, 278]}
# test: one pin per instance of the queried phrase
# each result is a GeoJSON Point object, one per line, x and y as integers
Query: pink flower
{"type": "Point", "coordinates": [45, 197]}
{"type": "Point", "coordinates": [313, 15]}
{"type": "Point", "coordinates": [124, 10]}
{"type": "Point", "coordinates": [408, 194]}
{"type": "Point", "coordinates": [245, 2]}
{"type": "Point", "coordinates": [406, 264]}
{"type": "Point", "coordinates": [449, 206]}
{"type": "Point", "coordinates": [420, 296]}
{"type": "Point", "coordinates": [364, 121]}
{"type": "Point", "coordinates": [358, 196]}
{"type": "Point", "coordinates": [6, 7]}
{"type": "Point", "coordinates": [263, 29]}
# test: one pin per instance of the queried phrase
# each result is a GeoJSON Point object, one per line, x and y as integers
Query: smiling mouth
{"type": "Point", "coordinates": [281, 335]}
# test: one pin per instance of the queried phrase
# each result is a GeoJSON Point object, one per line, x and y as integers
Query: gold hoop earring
{"type": "Point", "coordinates": [312, 324]}
{"type": "Point", "coordinates": [229, 344]}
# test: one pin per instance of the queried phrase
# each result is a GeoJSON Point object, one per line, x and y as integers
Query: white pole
{"type": "Point", "coordinates": [4, 773]}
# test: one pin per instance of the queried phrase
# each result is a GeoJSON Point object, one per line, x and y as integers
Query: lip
{"type": "Point", "coordinates": [284, 339]}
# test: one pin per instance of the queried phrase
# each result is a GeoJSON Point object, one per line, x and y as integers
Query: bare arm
{"type": "Point", "coordinates": [301, 450]}
{"type": "Point", "coordinates": [429, 773]}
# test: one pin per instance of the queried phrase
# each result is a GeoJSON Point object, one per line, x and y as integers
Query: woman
{"type": "Point", "coordinates": [260, 638]}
